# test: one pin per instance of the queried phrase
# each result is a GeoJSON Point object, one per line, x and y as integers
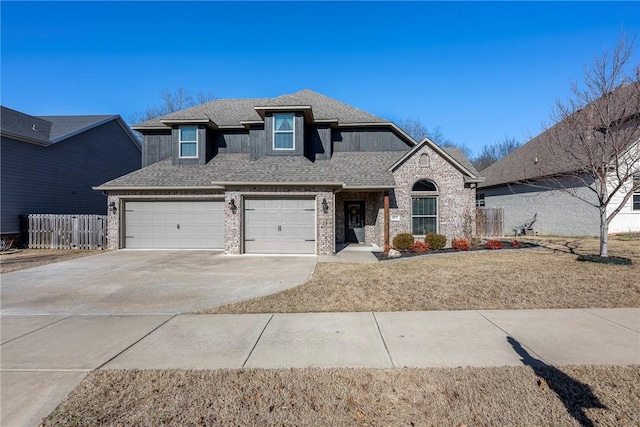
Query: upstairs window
{"type": "Point", "coordinates": [480, 200]}
{"type": "Point", "coordinates": [283, 132]}
{"type": "Point", "coordinates": [188, 142]}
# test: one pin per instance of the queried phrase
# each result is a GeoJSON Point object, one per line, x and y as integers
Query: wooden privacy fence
{"type": "Point", "coordinates": [50, 231]}
{"type": "Point", "coordinates": [489, 222]}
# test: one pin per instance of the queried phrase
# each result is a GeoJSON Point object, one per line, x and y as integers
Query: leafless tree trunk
{"type": "Point", "coordinates": [593, 150]}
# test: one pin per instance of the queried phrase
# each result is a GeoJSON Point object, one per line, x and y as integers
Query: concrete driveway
{"type": "Point", "coordinates": [149, 282]}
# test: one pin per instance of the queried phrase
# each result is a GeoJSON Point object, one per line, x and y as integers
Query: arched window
{"type": "Point", "coordinates": [424, 207]}
{"type": "Point", "coordinates": [424, 185]}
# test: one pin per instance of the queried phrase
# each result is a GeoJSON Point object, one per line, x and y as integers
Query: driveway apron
{"type": "Point", "coordinates": [149, 282]}
{"type": "Point", "coordinates": [61, 321]}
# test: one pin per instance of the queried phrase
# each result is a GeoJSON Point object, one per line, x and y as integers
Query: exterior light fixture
{"type": "Point", "coordinates": [232, 206]}
{"type": "Point", "coordinates": [325, 206]}
{"type": "Point", "coordinates": [112, 207]}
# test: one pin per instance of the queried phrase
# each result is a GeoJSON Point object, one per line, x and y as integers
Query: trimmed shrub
{"type": "Point", "coordinates": [419, 247]}
{"type": "Point", "coordinates": [494, 244]}
{"type": "Point", "coordinates": [435, 241]}
{"type": "Point", "coordinates": [460, 244]}
{"type": "Point", "coordinates": [402, 241]}
{"type": "Point", "coordinates": [515, 244]}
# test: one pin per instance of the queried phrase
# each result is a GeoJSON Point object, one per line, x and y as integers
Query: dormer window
{"type": "Point", "coordinates": [283, 132]}
{"type": "Point", "coordinates": [188, 142]}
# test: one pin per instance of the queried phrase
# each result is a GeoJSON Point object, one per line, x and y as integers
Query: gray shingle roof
{"type": "Point", "coordinates": [16, 124]}
{"type": "Point", "coordinates": [46, 129]}
{"type": "Point", "coordinates": [354, 169]}
{"type": "Point", "coordinates": [231, 112]}
{"type": "Point", "coordinates": [552, 153]}
{"type": "Point", "coordinates": [459, 156]}
{"type": "Point", "coordinates": [64, 126]}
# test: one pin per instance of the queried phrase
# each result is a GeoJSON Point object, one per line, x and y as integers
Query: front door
{"type": "Point", "coordinates": [354, 221]}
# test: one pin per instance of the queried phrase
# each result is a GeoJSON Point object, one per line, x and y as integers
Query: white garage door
{"type": "Point", "coordinates": [281, 226]}
{"type": "Point", "coordinates": [174, 225]}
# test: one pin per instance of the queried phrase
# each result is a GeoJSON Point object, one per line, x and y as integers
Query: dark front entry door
{"type": "Point", "coordinates": [354, 222]}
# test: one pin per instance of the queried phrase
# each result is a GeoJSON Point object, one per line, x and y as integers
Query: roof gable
{"type": "Point", "coordinates": [450, 154]}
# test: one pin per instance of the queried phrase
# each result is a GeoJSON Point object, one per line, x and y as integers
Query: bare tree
{"type": "Point", "coordinates": [593, 150]}
{"type": "Point", "coordinates": [414, 128]}
{"type": "Point", "coordinates": [172, 101]}
{"type": "Point", "coordinates": [494, 152]}
{"type": "Point", "coordinates": [419, 131]}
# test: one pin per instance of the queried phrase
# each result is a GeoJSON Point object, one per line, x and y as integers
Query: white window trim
{"type": "Point", "coordinates": [189, 142]}
{"type": "Point", "coordinates": [425, 195]}
{"type": "Point", "coordinates": [293, 132]}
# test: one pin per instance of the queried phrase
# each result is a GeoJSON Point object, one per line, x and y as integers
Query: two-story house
{"type": "Point", "coordinates": [293, 174]}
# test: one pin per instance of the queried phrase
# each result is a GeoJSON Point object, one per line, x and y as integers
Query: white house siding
{"type": "Point", "coordinates": [558, 213]}
{"type": "Point", "coordinates": [627, 220]}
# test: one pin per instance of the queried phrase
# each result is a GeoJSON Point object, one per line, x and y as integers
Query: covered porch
{"type": "Point", "coordinates": [362, 216]}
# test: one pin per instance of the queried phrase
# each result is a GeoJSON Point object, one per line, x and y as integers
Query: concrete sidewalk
{"type": "Point", "coordinates": [44, 357]}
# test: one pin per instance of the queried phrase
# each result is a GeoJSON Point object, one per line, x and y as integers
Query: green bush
{"type": "Point", "coordinates": [402, 241]}
{"type": "Point", "coordinates": [436, 241]}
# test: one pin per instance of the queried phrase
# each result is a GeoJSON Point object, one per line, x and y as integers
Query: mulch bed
{"type": "Point", "coordinates": [605, 260]}
{"type": "Point", "coordinates": [507, 245]}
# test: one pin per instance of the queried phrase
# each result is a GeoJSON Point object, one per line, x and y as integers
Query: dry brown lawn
{"type": "Point", "coordinates": [510, 396]}
{"type": "Point", "coordinates": [27, 258]}
{"type": "Point", "coordinates": [503, 279]}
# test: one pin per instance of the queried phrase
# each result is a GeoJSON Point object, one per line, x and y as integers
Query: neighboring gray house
{"type": "Point", "coordinates": [292, 174]}
{"type": "Point", "coordinates": [539, 178]}
{"type": "Point", "coordinates": [49, 164]}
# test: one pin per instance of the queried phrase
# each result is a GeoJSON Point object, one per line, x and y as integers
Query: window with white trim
{"type": "Point", "coordinates": [424, 208]}
{"type": "Point", "coordinates": [480, 200]}
{"type": "Point", "coordinates": [636, 194]}
{"type": "Point", "coordinates": [284, 132]}
{"type": "Point", "coordinates": [188, 142]}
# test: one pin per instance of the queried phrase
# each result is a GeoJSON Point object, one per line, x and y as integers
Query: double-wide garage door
{"type": "Point", "coordinates": [174, 225]}
{"type": "Point", "coordinates": [281, 226]}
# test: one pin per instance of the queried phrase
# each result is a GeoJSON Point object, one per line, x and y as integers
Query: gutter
{"type": "Point", "coordinates": [160, 188]}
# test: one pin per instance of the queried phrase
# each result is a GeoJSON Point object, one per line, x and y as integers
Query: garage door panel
{"type": "Point", "coordinates": [280, 226]}
{"type": "Point", "coordinates": [154, 224]}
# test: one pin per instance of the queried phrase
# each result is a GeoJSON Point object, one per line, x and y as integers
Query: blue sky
{"type": "Point", "coordinates": [481, 71]}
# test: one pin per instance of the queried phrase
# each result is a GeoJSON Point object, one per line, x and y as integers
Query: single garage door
{"type": "Point", "coordinates": [280, 226]}
{"type": "Point", "coordinates": [174, 225]}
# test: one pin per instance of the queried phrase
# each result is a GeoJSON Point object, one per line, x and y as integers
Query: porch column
{"type": "Point", "coordinates": [386, 219]}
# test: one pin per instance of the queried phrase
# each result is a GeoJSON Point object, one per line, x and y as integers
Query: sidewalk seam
{"type": "Point", "coordinates": [258, 340]}
{"type": "Point", "coordinates": [393, 365]}
{"type": "Point", "coordinates": [532, 351]}
{"type": "Point", "coordinates": [585, 310]}
{"type": "Point", "coordinates": [136, 342]}
{"type": "Point", "coordinates": [36, 330]}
